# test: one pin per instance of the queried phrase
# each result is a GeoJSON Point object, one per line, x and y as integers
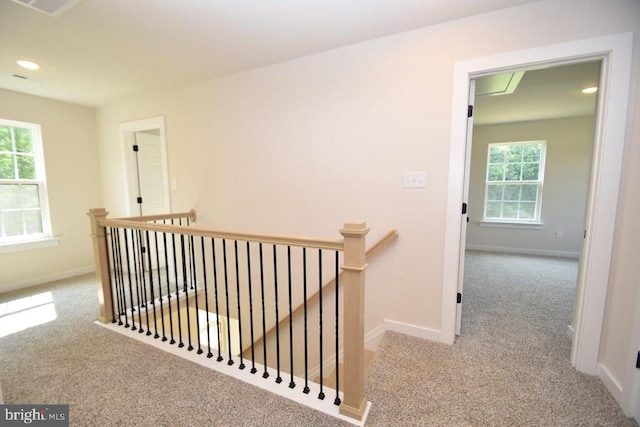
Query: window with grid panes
{"type": "Point", "coordinates": [23, 195]}
{"type": "Point", "coordinates": [515, 172]}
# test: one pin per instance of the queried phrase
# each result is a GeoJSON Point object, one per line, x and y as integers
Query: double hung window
{"type": "Point", "coordinates": [24, 212]}
{"type": "Point", "coordinates": [514, 181]}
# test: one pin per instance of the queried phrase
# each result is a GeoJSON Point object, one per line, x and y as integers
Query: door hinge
{"type": "Point", "coordinates": [135, 148]}
{"type": "Point", "coordinates": [139, 199]}
{"type": "Point", "coordinates": [464, 208]}
{"type": "Point", "coordinates": [459, 298]}
{"type": "Point", "coordinates": [470, 111]}
{"type": "Point", "coordinates": [638, 361]}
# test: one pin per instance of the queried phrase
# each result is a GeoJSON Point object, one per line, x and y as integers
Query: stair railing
{"type": "Point", "coordinates": [143, 264]}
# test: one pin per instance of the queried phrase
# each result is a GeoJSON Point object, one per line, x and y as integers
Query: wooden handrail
{"type": "Point", "coordinates": [191, 215]}
{"type": "Point", "coordinates": [352, 277]}
{"type": "Point", "coordinates": [225, 234]}
{"type": "Point", "coordinates": [370, 254]}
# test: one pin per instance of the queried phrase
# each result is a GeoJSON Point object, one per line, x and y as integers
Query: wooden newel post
{"type": "Point", "coordinates": [100, 255]}
{"type": "Point", "coordinates": [354, 403]}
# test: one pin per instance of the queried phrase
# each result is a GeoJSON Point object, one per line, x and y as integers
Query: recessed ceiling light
{"type": "Point", "coordinates": [28, 65]}
{"type": "Point", "coordinates": [592, 89]}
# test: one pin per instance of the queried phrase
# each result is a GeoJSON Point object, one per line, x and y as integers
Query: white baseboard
{"type": "Point", "coordinates": [373, 337]}
{"type": "Point", "coordinates": [524, 251]}
{"type": "Point", "coordinates": [414, 331]}
{"type": "Point", "coordinates": [297, 394]}
{"type": "Point", "coordinates": [610, 382]}
{"type": "Point", "coordinates": [570, 331]}
{"type": "Point", "coordinates": [46, 279]}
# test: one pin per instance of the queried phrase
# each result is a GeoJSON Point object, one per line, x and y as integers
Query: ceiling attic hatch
{"type": "Point", "coordinates": [53, 8]}
{"type": "Point", "coordinates": [498, 84]}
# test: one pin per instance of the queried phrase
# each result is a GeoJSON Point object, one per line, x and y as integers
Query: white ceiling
{"type": "Point", "coordinates": [542, 94]}
{"type": "Point", "coordinates": [101, 50]}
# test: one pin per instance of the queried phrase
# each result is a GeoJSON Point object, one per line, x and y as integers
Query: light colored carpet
{"type": "Point", "coordinates": [510, 368]}
{"type": "Point", "coordinates": [511, 365]}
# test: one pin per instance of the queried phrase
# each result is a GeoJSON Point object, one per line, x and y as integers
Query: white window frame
{"type": "Point", "coordinates": [515, 222]}
{"type": "Point", "coordinates": [13, 243]}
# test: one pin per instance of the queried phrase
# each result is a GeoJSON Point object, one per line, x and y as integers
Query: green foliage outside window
{"type": "Point", "coordinates": [20, 191]}
{"type": "Point", "coordinates": [514, 181]}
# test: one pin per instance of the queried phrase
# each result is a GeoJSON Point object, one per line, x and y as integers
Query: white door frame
{"type": "Point", "coordinates": [616, 53]}
{"type": "Point", "coordinates": [127, 136]}
{"type": "Point", "coordinates": [631, 400]}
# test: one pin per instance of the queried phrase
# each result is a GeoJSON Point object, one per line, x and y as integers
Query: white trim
{"type": "Point", "coordinates": [610, 382]}
{"type": "Point", "coordinates": [521, 225]}
{"type": "Point", "coordinates": [631, 383]}
{"type": "Point", "coordinates": [616, 53]}
{"type": "Point", "coordinates": [296, 394]}
{"type": "Point", "coordinates": [127, 131]}
{"type": "Point", "coordinates": [29, 245]}
{"type": "Point", "coordinates": [373, 337]}
{"type": "Point", "coordinates": [414, 330]}
{"type": "Point", "coordinates": [524, 251]}
{"type": "Point", "coordinates": [570, 332]}
{"type": "Point", "coordinates": [46, 279]}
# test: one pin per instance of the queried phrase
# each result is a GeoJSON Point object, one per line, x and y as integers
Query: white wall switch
{"type": "Point", "coordinates": [415, 179]}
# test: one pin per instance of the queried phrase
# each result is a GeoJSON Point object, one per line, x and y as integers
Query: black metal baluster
{"type": "Point", "coordinates": [186, 289]}
{"type": "Point", "coordinates": [337, 400]}
{"type": "Point", "coordinates": [226, 294]}
{"type": "Point", "coordinates": [126, 319]}
{"type": "Point", "coordinates": [115, 240]}
{"type": "Point", "coordinates": [195, 288]}
{"type": "Point", "coordinates": [253, 356]}
{"type": "Point", "coordinates": [321, 394]}
{"type": "Point", "coordinates": [143, 289]}
{"type": "Point", "coordinates": [275, 285]}
{"type": "Point", "coordinates": [215, 284]}
{"type": "Point", "coordinates": [206, 296]}
{"type": "Point", "coordinates": [153, 296]}
{"type": "Point", "coordinates": [167, 273]}
{"type": "Point", "coordinates": [235, 248]}
{"type": "Point", "coordinates": [175, 276]}
{"type": "Point", "coordinates": [143, 281]}
{"type": "Point", "coordinates": [123, 289]}
{"type": "Point", "coordinates": [113, 284]}
{"type": "Point", "coordinates": [304, 296]}
{"type": "Point", "coordinates": [192, 264]}
{"type": "Point", "coordinates": [160, 299]}
{"type": "Point", "coordinates": [265, 374]}
{"type": "Point", "coordinates": [292, 384]}
{"type": "Point", "coordinates": [136, 275]}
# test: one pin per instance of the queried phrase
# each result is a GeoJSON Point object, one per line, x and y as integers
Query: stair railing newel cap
{"type": "Point", "coordinates": [354, 229]}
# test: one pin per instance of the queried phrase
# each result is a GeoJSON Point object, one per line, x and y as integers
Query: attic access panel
{"type": "Point", "coordinates": [53, 8]}
{"type": "Point", "coordinates": [498, 84]}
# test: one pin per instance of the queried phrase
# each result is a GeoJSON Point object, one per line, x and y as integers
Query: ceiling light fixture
{"type": "Point", "coordinates": [28, 64]}
{"type": "Point", "coordinates": [592, 89]}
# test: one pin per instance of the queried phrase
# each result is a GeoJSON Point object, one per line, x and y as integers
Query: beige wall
{"type": "Point", "coordinates": [567, 166]}
{"type": "Point", "coordinates": [305, 145]}
{"type": "Point", "coordinates": [71, 163]}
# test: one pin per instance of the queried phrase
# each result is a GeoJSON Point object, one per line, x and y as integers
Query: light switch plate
{"type": "Point", "coordinates": [415, 179]}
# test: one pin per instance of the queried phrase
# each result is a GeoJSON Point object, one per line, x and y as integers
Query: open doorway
{"type": "Point", "coordinates": [530, 161]}
{"type": "Point", "coordinates": [147, 175]}
{"type": "Point", "coordinates": [615, 52]}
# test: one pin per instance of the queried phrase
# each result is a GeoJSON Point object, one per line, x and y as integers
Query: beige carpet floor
{"type": "Point", "coordinates": [510, 368]}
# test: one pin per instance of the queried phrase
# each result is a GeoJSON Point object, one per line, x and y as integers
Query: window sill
{"type": "Point", "coordinates": [29, 245]}
{"type": "Point", "coordinates": [519, 225]}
